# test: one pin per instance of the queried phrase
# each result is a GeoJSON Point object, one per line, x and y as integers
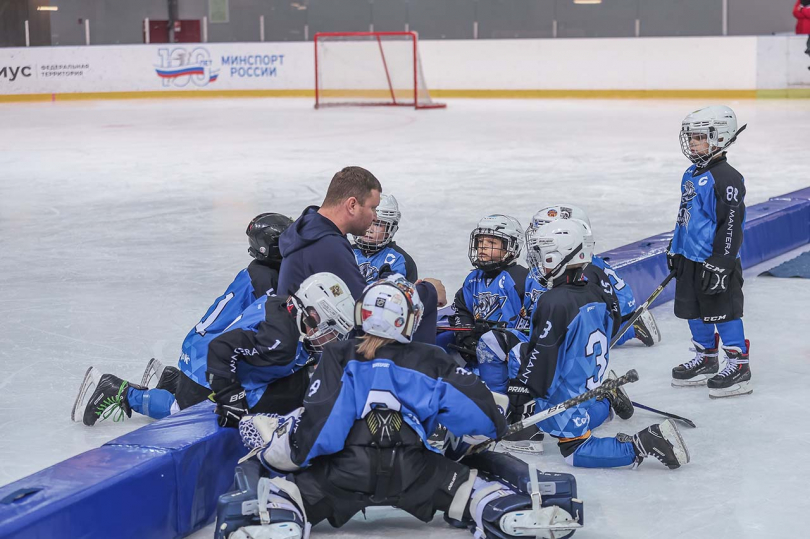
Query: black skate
{"type": "Point", "coordinates": [167, 377]}
{"type": "Point", "coordinates": [619, 400]}
{"type": "Point", "coordinates": [698, 370]}
{"type": "Point", "coordinates": [529, 440]}
{"type": "Point", "coordinates": [109, 398]}
{"type": "Point", "coordinates": [663, 442]}
{"type": "Point", "coordinates": [646, 329]}
{"type": "Point", "coordinates": [735, 378]}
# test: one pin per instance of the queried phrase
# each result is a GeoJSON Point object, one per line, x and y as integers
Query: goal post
{"type": "Point", "coordinates": [370, 69]}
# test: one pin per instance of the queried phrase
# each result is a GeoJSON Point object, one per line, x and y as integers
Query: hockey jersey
{"type": "Point", "coordinates": [261, 346]}
{"type": "Point", "coordinates": [711, 215]}
{"type": "Point", "coordinates": [495, 297]}
{"type": "Point", "coordinates": [418, 380]}
{"type": "Point", "coordinates": [393, 255]}
{"type": "Point", "coordinates": [568, 350]}
{"type": "Point", "coordinates": [249, 284]}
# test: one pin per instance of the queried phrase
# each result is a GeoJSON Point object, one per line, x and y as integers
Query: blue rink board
{"type": "Point", "coordinates": [163, 479]}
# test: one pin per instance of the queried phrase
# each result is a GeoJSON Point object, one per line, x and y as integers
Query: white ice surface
{"type": "Point", "coordinates": [121, 221]}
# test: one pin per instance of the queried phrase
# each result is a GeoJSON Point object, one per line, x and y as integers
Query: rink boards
{"type": "Point", "coordinates": [163, 480]}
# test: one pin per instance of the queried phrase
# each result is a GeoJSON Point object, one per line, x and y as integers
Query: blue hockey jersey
{"type": "Point", "coordinates": [393, 255]}
{"type": "Point", "coordinates": [495, 297]}
{"type": "Point", "coordinates": [418, 380]}
{"type": "Point", "coordinates": [249, 284]}
{"type": "Point", "coordinates": [711, 215]}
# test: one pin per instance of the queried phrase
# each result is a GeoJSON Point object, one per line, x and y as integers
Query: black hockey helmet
{"type": "Point", "coordinates": [263, 233]}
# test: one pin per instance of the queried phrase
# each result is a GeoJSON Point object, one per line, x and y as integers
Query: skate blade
{"type": "Point", "coordinates": [522, 446]}
{"type": "Point", "coordinates": [547, 522]}
{"type": "Point", "coordinates": [89, 385]}
{"type": "Point", "coordinates": [670, 433]}
{"type": "Point", "coordinates": [697, 381]}
{"type": "Point", "coordinates": [278, 530]}
{"type": "Point", "coordinates": [153, 372]}
{"type": "Point", "coordinates": [743, 388]}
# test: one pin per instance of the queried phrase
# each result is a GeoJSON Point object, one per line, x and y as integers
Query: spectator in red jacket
{"type": "Point", "coordinates": [802, 13]}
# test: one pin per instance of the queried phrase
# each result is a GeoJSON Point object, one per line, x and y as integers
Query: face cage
{"type": "Point", "coordinates": [700, 160]}
{"type": "Point", "coordinates": [305, 320]}
{"type": "Point", "coordinates": [511, 249]}
{"type": "Point", "coordinates": [390, 228]}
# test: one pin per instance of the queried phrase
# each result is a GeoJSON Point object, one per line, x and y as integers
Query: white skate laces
{"type": "Point", "coordinates": [734, 358]}
{"type": "Point", "coordinates": [700, 355]}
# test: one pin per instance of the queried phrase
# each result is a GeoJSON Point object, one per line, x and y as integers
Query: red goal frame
{"type": "Point", "coordinates": [415, 61]}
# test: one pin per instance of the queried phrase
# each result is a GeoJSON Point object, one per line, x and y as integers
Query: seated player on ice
{"type": "Point", "coordinates": [567, 354]}
{"type": "Point", "coordinates": [377, 248]}
{"type": "Point", "coordinates": [359, 441]}
{"type": "Point", "coordinates": [644, 328]}
{"type": "Point", "coordinates": [257, 364]}
{"type": "Point", "coordinates": [492, 294]}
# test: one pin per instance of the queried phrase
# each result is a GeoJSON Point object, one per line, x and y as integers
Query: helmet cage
{"type": "Point", "coordinates": [510, 248]}
{"type": "Point", "coordinates": [389, 221]}
{"type": "Point", "coordinates": [322, 318]}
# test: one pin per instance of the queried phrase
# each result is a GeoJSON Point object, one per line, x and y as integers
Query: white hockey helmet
{"type": "Point", "coordinates": [555, 246]}
{"type": "Point", "coordinates": [499, 226]}
{"type": "Point", "coordinates": [323, 307]}
{"type": "Point", "coordinates": [383, 228]}
{"type": "Point", "coordinates": [716, 125]}
{"type": "Point", "coordinates": [390, 308]}
{"type": "Point", "coordinates": [562, 211]}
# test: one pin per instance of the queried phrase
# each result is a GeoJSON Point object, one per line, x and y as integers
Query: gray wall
{"type": "Point", "coordinates": [120, 21]}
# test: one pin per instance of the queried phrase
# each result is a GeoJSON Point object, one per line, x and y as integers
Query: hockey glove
{"type": "Point", "coordinates": [231, 402]}
{"type": "Point", "coordinates": [268, 436]}
{"type": "Point", "coordinates": [673, 260]}
{"type": "Point", "coordinates": [520, 400]}
{"type": "Point", "coordinates": [715, 276]}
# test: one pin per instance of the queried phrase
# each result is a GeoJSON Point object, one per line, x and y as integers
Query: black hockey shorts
{"type": "Point", "coordinates": [281, 397]}
{"type": "Point", "coordinates": [692, 303]}
{"type": "Point", "coordinates": [421, 482]}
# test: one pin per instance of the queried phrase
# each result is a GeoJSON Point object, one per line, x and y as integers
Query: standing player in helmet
{"type": "Point", "coordinates": [377, 249]}
{"type": "Point", "coordinates": [644, 329]}
{"type": "Point", "coordinates": [359, 440]}
{"type": "Point", "coordinates": [567, 354]}
{"type": "Point", "coordinates": [705, 253]}
{"type": "Point", "coordinates": [258, 362]}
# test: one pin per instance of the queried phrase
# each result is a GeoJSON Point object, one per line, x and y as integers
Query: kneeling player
{"type": "Point", "coordinates": [358, 441]}
{"type": "Point", "coordinates": [644, 328]}
{"type": "Point", "coordinates": [567, 354]}
{"type": "Point", "coordinates": [377, 247]}
{"type": "Point", "coordinates": [257, 364]}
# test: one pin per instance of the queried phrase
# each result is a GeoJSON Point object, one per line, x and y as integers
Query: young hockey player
{"type": "Point", "coordinates": [377, 248]}
{"type": "Point", "coordinates": [493, 292]}
{"type": "Point", "coordinates": [359, 441]}
{"type": "Point", "coordinates": [644, 329]}
{"type": "Point", "coordinates": [567, 354]}
{"type": "Point", "coordinates": [705, 253]}
{"type": "Point", "coordinates": [258, 363]}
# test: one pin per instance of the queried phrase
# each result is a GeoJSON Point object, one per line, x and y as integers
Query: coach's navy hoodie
{"type": "Point", "coordinates": [314, 244]}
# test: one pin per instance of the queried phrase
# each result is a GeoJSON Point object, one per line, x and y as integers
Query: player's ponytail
{"type": "Point", "coordinates": [370, 344]}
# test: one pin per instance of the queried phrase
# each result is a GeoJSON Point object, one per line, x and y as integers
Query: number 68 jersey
{"type": "Point", "coordinates": [568, 350]}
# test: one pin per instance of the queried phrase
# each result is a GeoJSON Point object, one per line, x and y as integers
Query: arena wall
{"type": "Point", "coordinates": [163, 480]}
{"type": "Point", "coordinates": [688, 67]}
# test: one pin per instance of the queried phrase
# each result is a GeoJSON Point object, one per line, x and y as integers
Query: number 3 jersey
{"type": "Point", "coordinates": [567, 353]}
{"type": "Point", "coordinates": [712, 212]}
{"type": "Point", "coordinates": [251, 283]}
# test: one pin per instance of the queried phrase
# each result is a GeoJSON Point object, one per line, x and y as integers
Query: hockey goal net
{"type": "Point", "coordinates": [370, 69]}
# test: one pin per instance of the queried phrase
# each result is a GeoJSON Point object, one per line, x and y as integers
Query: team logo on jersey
{"type": "Point", "coordinates": [686, 198]}
{"type": "Point", "coordinates": [486, 304]}
{"type": "Point", "coordinates": [369, 272]}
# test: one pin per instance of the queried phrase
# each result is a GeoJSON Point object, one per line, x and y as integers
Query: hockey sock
{"type": "Point", "coordinates": [732, 334]}
{"type": "Point", "coordinates": [703, 333]}
{"type": "Point", "coordinates": [154, 403]}
{"type": "Point", "coordinates": [602, 453]}
{"type": "Point", "coordinates": [629, 334]}
{"type": "Point", "coordinates": [598, 413]}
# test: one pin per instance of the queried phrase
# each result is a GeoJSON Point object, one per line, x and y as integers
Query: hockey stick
{"type": "Point", "coordinates": [644, 306]}
{"type": "Point", "coordinates": [471, 328]}
{"type": "Point", "coordinates": [686, 421]}
{"type": "Point", "coordinates": [607, 385]}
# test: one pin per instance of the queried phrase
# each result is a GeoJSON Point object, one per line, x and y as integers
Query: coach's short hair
{"type": "Point", "coordinates": [354, 182]}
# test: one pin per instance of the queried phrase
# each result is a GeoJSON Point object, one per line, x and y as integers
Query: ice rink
{"type": "Point", "coordinates": [120, 222]}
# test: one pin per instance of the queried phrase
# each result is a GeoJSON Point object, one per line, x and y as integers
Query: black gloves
{"type": "Point", "coordinates": [231, 401]}
{"type": "Point", "coordinates": [715, 275]}
{"type": "Point", "coordinates": [672, 259]}
{"type": "Point", "coordinates": [519, 397]}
